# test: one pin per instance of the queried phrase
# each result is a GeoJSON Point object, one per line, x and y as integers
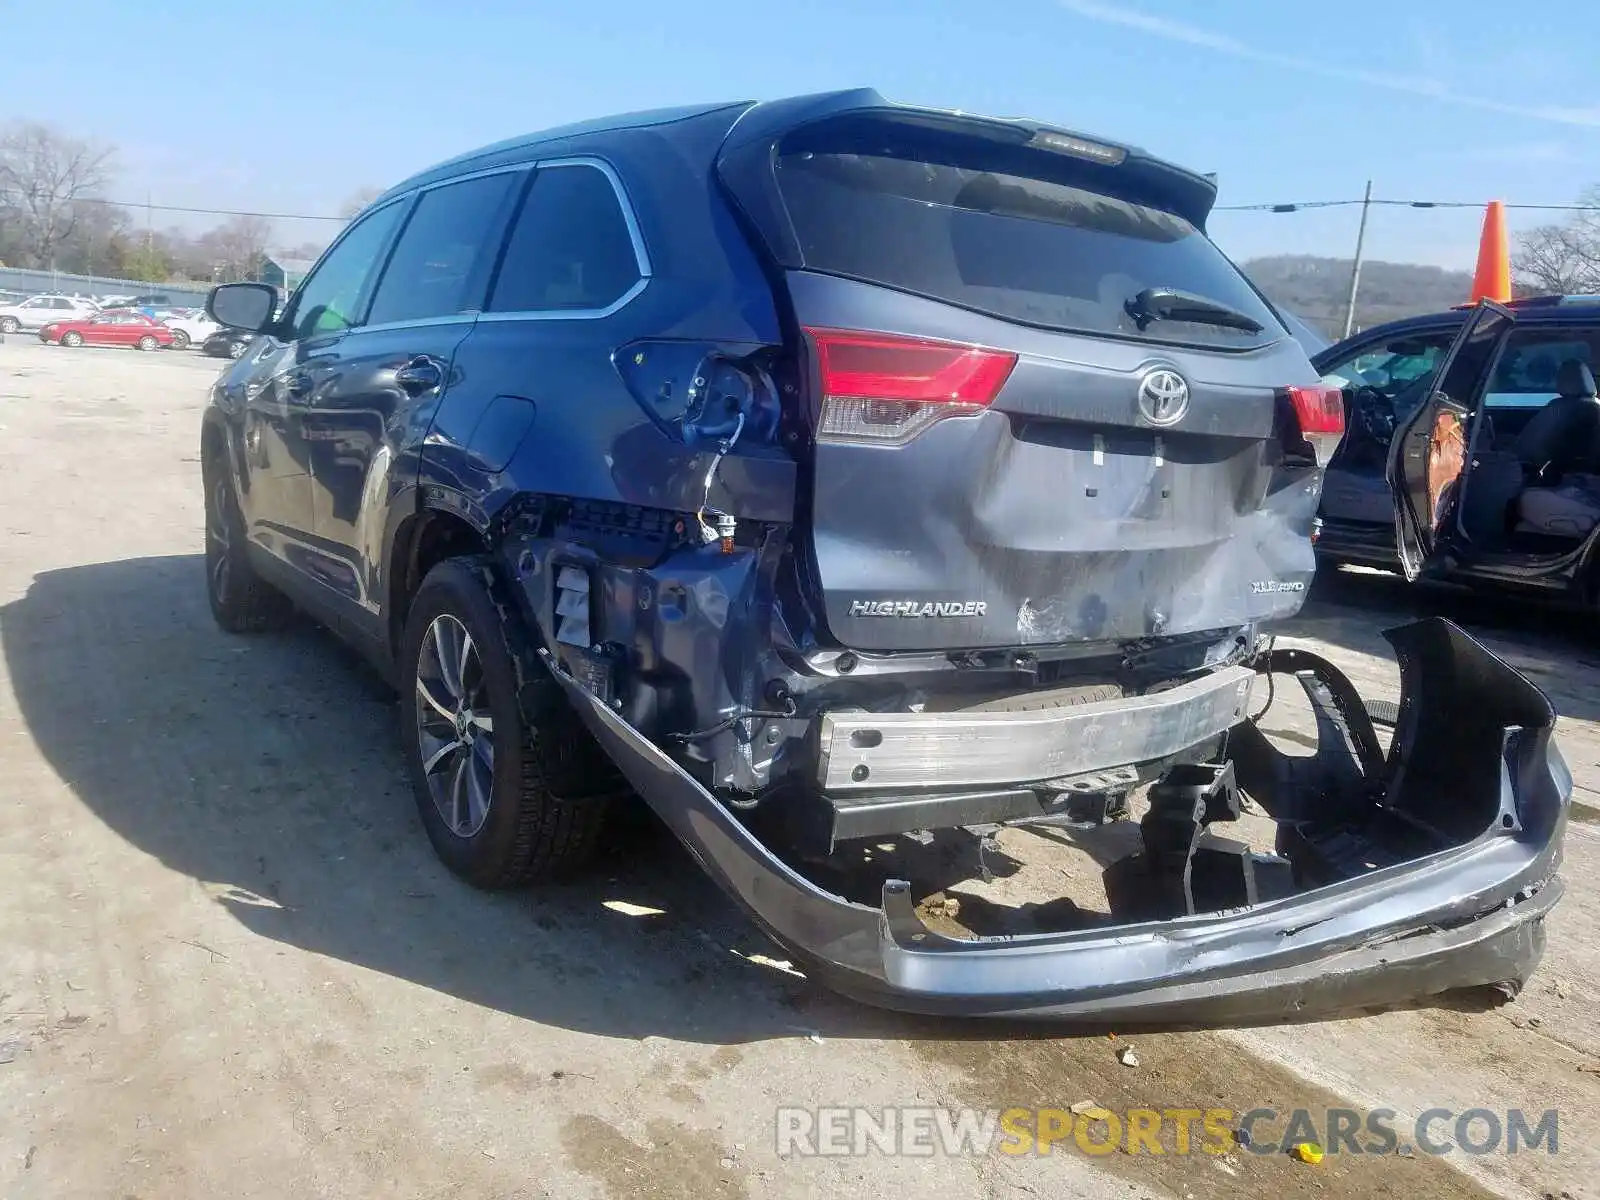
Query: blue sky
{"type": "Point", "coordinates": [291, 107]}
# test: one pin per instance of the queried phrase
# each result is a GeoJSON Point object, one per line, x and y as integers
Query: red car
{"type": "Point", "coordinates": [111, 328]}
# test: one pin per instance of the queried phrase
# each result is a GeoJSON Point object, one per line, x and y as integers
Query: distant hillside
{"type": "Point", "coordinates": [1316, 289]}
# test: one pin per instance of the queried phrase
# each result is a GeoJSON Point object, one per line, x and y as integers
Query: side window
{"type": "Point", "coordinates": [1390, 367]}
{"type": "Point", "coordinates": [326, 301]}
{"type": "Point", "coordinates": [569, 249]}
{"type": "Point", "coordinates": [431, 267]}
{"type": "Point", "coordinates": [1525, 376]}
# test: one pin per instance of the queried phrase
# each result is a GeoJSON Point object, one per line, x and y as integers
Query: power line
{"type": "Point", "coordinates": [1299, 205]}
{"type": "Point", "coordinates": [209, 212]}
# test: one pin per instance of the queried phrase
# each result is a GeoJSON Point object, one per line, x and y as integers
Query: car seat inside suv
{"type": "Point", "coordinates": [1557, 444]}
{"type": "Point", "coordinates": [1562, 433]}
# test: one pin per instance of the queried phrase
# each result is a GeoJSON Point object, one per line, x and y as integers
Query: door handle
{"type": "Point", "coordinates": [423, 373]}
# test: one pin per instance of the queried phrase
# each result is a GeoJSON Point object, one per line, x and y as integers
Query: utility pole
{"type": "Point", "coordinates": [1355, 267]}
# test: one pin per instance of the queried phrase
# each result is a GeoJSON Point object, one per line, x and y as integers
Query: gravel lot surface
{"type": "Point", "coordinates": [230, 964]}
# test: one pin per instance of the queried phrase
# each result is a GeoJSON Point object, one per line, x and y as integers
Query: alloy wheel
{"type": "Point", "coordinates": [455, 732]}
{"type": "Point", "coordinates": [221, 539]}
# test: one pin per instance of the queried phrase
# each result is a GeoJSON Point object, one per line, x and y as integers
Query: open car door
{"type": "Point", "coordinates": [1429, 450]}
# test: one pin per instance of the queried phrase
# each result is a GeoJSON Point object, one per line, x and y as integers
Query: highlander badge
{"type": "Point", "coordinates": [917, 608]}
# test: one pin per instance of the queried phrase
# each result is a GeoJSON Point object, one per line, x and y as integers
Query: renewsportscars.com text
{"type": "Point", "coordinates": [844, 1131]}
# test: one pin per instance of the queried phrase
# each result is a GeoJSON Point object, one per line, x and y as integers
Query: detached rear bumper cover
{"type": "Point", "coordinates": [1463, 917]}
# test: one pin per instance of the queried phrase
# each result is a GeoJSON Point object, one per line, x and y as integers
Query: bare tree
{"type": "Point", "coordinates": [359, 199]}
{"type": "Point", "coordinates": [46, 180]}
{"type": "Point", "coordinates": [97, 241]}
{"type": "Point", "coordinates": [1563, 259]}
{"type": "Point", "coordinates": [238, 246]}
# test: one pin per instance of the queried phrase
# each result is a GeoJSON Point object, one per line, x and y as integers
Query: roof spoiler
{"type": "Point", "coordinates": [748, 145]}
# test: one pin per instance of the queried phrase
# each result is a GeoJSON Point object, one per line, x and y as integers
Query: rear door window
{"type": "Point", "coordinates": [432, 267]}
{"type": "Point", "coordinates": [1046, 240]}
{"type": "Point", "coordinates": [570, 249]}
{"type": "Point", "coordinates": [1525, 376]}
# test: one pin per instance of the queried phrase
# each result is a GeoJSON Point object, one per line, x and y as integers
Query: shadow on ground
{"type": "Point", "coordinates": [269, 768]}
{"type": "Point", "coordinates": [1558, 649]}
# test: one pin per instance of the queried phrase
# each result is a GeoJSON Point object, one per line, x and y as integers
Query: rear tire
{"type": "Point", "coordinates": [241, 601]}
{"type": "Point", "coordinates": [10, 325]}
{"type": "Point", "coordinates": [509, 785]}
{"type": "Point", "coordinates": [148, 342]}
{"type": "Point", "coordinates": [236, 350]}
{"type": "Point", "coordinates": [71, 338]}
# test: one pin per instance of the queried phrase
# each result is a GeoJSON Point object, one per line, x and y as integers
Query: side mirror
{"type": "Point", "coordinates": [246, 306]}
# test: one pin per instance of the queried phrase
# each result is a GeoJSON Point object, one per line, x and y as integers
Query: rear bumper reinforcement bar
{"type": "Point", "coordinates": [1462, 917]}
{"type": "Point", "coordinates": [868, 751]}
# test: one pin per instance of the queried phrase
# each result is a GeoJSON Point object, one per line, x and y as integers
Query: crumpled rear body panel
{"type": "Point", "coordinates": [1061, 510]}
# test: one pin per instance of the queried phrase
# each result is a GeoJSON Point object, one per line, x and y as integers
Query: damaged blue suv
{"type": "Point", "coordinates": [828, 471]}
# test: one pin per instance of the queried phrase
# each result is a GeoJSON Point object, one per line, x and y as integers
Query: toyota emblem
{"type": "Point", "coordinates": [1163, 396]}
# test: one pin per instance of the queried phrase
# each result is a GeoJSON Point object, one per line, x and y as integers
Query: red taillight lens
{"type": "Point", "coordinates": [1319, 411]}
{"type": "Point", "coordinates": [878, 387]}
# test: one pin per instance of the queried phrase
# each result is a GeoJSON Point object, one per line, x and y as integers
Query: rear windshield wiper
{"type": "Point", "coordinates": [1169, 304]}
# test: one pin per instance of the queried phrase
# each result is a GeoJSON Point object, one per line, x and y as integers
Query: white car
{"type": "Point", "coordinates": [36, 312]}
{"type": "Point", "coordinates": [190, 330]}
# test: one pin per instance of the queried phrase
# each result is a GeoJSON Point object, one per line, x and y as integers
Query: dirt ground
{"type": "Point", "coordinates": [230, 964]}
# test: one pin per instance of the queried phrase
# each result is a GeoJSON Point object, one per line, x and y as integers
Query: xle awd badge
{"type": "Point", "coordinates": [1163, 396]}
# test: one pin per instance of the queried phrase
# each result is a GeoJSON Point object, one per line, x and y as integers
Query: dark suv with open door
{"type": "Point", "coordinates": [1478, 430]}
{"type": "Point", "coordinates": [828, 471]}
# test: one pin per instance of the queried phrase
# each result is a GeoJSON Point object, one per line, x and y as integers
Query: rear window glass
{"type": "Point", "coordinates": [430, 269]}
{"type": "Point", "coordinates": [1061, 252]}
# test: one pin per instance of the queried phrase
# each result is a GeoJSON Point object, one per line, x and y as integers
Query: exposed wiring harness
{"type": "Point", "coordinates": [1272, 643]}
{"type": "Point", "coordinates": [723, 530]}
{"type": "Point", "coordinates": [727, 723]}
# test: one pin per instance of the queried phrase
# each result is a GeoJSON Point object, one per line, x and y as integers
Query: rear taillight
{"type": "Point", "coordinates": [885, 389]}
{"type": "Point", "coordinates": [1319, 411]}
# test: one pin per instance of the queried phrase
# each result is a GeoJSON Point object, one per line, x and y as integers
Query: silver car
{"type": "Point", "coordinates": [36, 312]}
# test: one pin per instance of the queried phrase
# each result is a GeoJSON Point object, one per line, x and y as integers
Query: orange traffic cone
{"type": "Point", "coordinates": [1492, 281]}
